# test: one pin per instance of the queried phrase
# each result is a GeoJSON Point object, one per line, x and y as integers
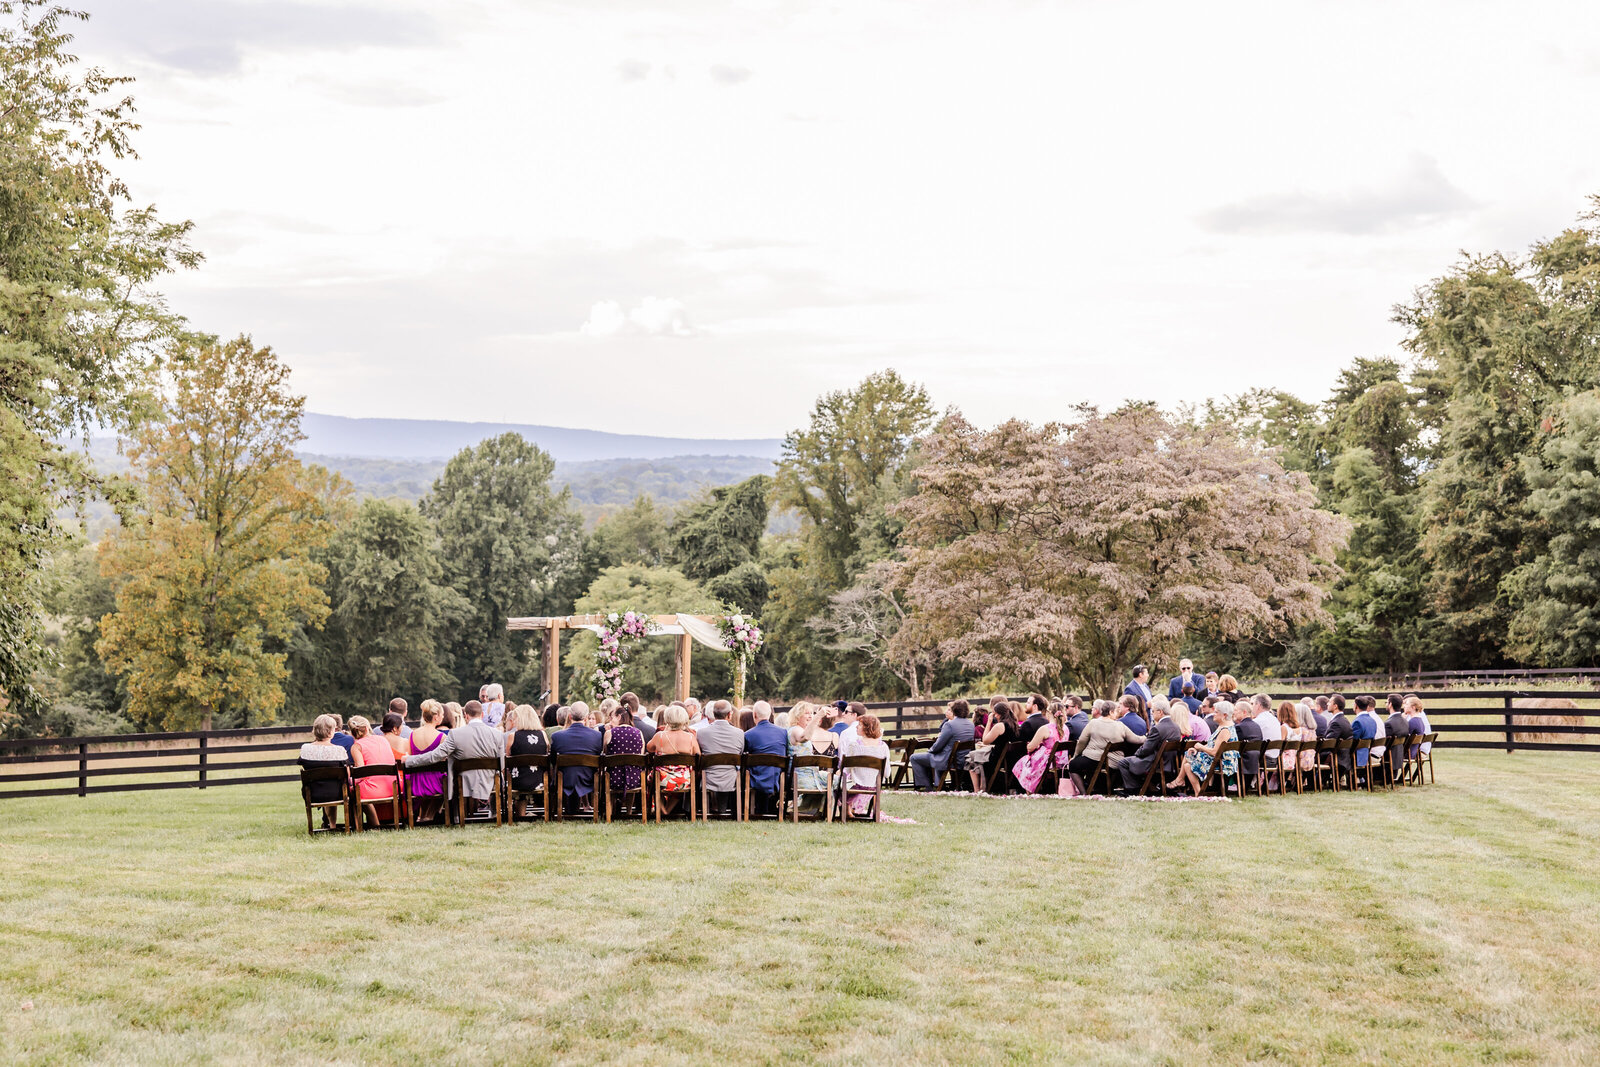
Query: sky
{"type": "Point", "coordinates": [695, 217]}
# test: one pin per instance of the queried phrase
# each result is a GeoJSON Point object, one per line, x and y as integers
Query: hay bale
{"type": "Point", "coordinates": [1547, 720]}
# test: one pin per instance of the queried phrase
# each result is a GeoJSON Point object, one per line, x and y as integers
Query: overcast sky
{"type": "Point", "coordinates": [694, 217]}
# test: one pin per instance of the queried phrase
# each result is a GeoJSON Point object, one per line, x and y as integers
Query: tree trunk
{"type": "Point", "coordinates": [205, 716]}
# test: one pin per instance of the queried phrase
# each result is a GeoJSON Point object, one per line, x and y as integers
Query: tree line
{"type": "Point", "coordinates": [1440, 508]}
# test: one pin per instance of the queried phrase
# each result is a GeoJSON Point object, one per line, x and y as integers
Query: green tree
{"type": "Point", "coordinates": [216, 572]}
{"type": "Point", "coordinates": [722, 531]}
{"type": "Point", "coordinates": [80, 325]}
{"type": "Point", "coordinates": [636, 534]}
{"type": "Point", "coordinates": [390, 616]}
{"type": "Point", "coordinates": [1557, 621]}
{"type": "Point", "coordinates": [509, 544]}
{"type": "Point", "coordinates": [649, 672]}
{"type": "Point", "coordinates": [1501, 341]}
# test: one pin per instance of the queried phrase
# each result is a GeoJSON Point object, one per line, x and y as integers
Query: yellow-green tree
{"type": "Point", "coordinates": [215, 573]}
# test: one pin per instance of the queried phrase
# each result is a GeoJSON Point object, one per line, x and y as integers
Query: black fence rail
{"type": "Point", "coordinates": [1445, 679]}
{"type": "Point", "coordinates": [80, 766]}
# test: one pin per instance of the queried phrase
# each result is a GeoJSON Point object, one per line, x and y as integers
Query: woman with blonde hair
{"type": "Point", "coordinates": [371, 750]}
{"type": "Point", "coordinates": [676, 739]}
{"type": "Point", "coordinates": [525, 737]}
{"type": "Point", "coordinates": [427, 786]}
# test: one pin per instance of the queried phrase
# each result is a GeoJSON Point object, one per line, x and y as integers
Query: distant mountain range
{"type": "Point", "coordinates": [435, 439]}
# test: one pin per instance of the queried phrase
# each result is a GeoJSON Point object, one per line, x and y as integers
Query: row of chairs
{"type": "Point", "coordinates": [1337, 765]}
{"type": "Point", "coordinates": [508, 802]}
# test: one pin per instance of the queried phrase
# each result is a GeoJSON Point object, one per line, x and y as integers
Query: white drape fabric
{"type": "Point", "coordinates": [703, 632]}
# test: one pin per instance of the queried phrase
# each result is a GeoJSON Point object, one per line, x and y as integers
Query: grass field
{"type": "Point", "coordinates": [1453, 923]}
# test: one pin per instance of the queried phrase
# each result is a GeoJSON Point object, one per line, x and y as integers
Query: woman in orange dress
{"type": "Point", "coordinates": [371, 750]}
{"type": "Point", "coordinates": [674, 739]}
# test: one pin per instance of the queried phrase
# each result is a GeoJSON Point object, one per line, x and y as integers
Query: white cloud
{"type": "Point", "coordinates": [653, 317]}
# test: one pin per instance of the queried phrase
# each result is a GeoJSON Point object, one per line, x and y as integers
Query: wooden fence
{"type": "Point", "coordinates": [1443, 679]}
{"type": "Point", "coordinates": [68, 766]}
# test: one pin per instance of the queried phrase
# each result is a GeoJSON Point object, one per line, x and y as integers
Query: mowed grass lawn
{"type": "Point", "coordinates": [1452, 923]}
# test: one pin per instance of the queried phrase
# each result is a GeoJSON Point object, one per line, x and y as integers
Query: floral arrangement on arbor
{"type": "Point", "coordinates": [618, 634]}
{"type": "Point", "coordinates": [743, 637]}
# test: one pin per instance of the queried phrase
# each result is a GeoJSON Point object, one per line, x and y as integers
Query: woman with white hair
{"type": "Point", "coordinates": [494, 704]}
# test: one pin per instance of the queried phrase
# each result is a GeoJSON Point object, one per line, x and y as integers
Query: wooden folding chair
{"type": "Point", "coordinates": [956, 766]}
{"type": "Point", "coordinates": [753, 760]}
{"type": "Point", "coordinates": [1424, 757]}
{"type": "Point", "coordinates": [1157, 771]}
{"type": "Point", "coordinates": [848, 789]}
{"type": "Point", "coordinates": [824, 766]}
{"type": "Point", "coordinates": [1346, 747]}
{"type": "Point", "coordinates": [907, 747]}
{"type": "Point", "coordinates": [1327, 746]}
{"type": "Point", "coordinates": [559, 797]}
{"type": "Point", "coordinates": [340, 774]}
{"type": "Point", "coordinates": [1004, 754]}
{"type": "Point", "coordinates": [1361, 745]}
{"type": "Point", "coordinates": [1275, 750]}
{"type": "Point", "coordinates": [396, 802]}
{"type": "Point", "coordinates": [516, 798]}
{"type": "Point", "coordinates": [1289, 763]}
{"type": "Point", "coordinates": [1215, 773]}
{"type": "Point", "coordinates": [661, 763]}
{"type": "Point", "coordinates": [1246, 750]}
{"type": "Point", "coordinates": [623, 761]}
{"type": "Point", "coordinates": [458, 767]}
{"type": "Point", "coordinates": [727, 759]}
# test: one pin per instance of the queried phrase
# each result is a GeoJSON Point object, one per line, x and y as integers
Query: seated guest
{"type": "Point", "coordinates": [622, 738]}
{"type": "Point", "coordinates": [494, 707]}
{"type": "Point", "coordinates": [1097, 737]}
{"type": "Point", "coordinates": [1298, 725]}
{"type": "Point", "coordinates": [852, 715]}
{"type": "Point", "coordinates": [801, 733]}
{"type": "Point", "coordinates": [341, 736]}
{"type": "Point", "coordinates": [1131, 714]}
{"type": "Point", "coordinates": [746, 720]}
{"type": "Point", "coordinates": [578, 739]}
{"type": "Point", "coordinates": [392, 722]}
{"type": "Point", "coordinates": [1077, 718]}
{"type": "Point", "coordinates": [766, 738]}
{"type": "Point", "coordinates": [427, 787]}
{"type": "Point", "coordinates": [722, 738]}
{"type": "Point", "coordinates": [867, 742]}
{"type": "Point", "coordinates": [1271, 729]}
{"type": "Point", "coordinates": [1366, 724]}
{"type": "Point", "coordinates": [1163, 730]}
{"type": "Point", "coordinates": [1193, 725]}
{"type": "Point", "coordinates": [397, 706]}
{"type": "Point", "coordinates": [1210, 688]}
{"type": "Point", "coordinates": [1322, 709]}
{"type": "Point", "coordinates": [473, 740]}
{"type": "Point", "coordinates": [825, 739]}
{"type": "Point", "coordinates": [1038, 713]}
{"type": "Point", "coordinates": [1396, 726]}
{"type": "Point", "coordinates": [1190, 700]}
{"type": "Point", "coordinates": [1197, 762]}
{"type": "Point", "coordinates": [1417, 724]}
{"type": "Point", "coordinates": [549, 717]}
{"type": "Point", "coordinates": [371, 750]}
{"type": "Point", "coordinates": [927, 768]}
{"type": "Point", "coordinates": [1245, 731]}
{"type": "Point", "coordinates": [641, 721]}
{"type": "Point", "coordinates": [525, 736]}
{"type": "Point", "coordinates": [841, 717]}
{"type": "Point", "coordinates": [320, 751]}
{"type": "Point", "coordinates": [452, 716]}
{"type": "Point", "coordinates": [996, 737]}
{"type": "Point", "coordinates": [674, 738]}
{"type": "Point", "coordinates": [1040, 751]}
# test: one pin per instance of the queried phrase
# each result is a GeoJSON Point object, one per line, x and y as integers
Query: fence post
{"type": "Point", "coordinates": [202, 761]}
{"type": "Point", "coordinates": [83, 768]}
{"type": "Point", "coordinates": [1511, 737]}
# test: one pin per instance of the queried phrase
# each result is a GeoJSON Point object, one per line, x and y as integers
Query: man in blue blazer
{"type": "Point", "coordinates": [766, 739]}
{"type": "Point", "coordinates": [1186, 675]}
{"type": "Point", "coordinates": [1139, 689]}
{"type": "Point", "coordinates": [1131, 717]}
{"type": "Point", "coordinates": [576, 740]}
{"type": "Point", "coordinates": [1077, 718]}
{"type": "Point", "coordinates": [928, 767]}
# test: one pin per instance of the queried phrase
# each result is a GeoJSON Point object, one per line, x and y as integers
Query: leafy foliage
{"type": "Point", "coordinates": [650, 665]}
{"type": "Point", "coordinates": [80, 325]}
{"type": "Point", "coordinates": [217, 572]}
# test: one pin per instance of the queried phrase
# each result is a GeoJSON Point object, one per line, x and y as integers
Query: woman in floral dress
{"type": "Point", "coordinates": [1197, 761]}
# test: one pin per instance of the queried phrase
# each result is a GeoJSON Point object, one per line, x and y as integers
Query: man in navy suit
{"type": "Point", "coordinates": [1139, 689]}
{"type": "Point", "coordinates": [576, 740]}
{"type": "Point", "coordinates": [766, 739]}
{"type": "Point", "coordinates": [1339, 729]}
{"type": "Point", "coordinates": [1077, 718]}
{"type": "Point", "coordinates": [1037, 705]}
{"type": "Point", "coordinates": [927, 768]}
{"type": "Point", "coordinates": [1245, 725]}
{"type": "Point", "coordinates": [1129, 707]}
{"type": "Point", "coordinates": [1186, 675]}
{"type": "Point", "coordinates": [1396, 726]}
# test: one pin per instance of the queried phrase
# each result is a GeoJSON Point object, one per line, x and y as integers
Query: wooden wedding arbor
{"type": "Point", "coordinates": [677, 626]}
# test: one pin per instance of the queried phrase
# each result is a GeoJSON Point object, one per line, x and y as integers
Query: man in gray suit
{"type": "Point", "coordinates": [475, 740]}
{"type": "Point", "coordinates": [927, 768]}
{"type": "Point", "coordinates": [720, 737]}
{"type": "Point", "coordinates": [1163, 731]}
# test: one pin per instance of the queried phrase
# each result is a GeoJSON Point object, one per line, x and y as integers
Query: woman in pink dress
{"type": "Point", "coordinates": [371, 750]}
{"type": "Point", "coordinates": [1030, 769]}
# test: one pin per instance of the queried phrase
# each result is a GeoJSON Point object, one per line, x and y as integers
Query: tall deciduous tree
{"type": "Point", "coordinates": [649, 671]}
{"type": "Point", "coordinates": [1049, 554]}
{"type": "Point", "coordinates": [509, 544]}
{"type": "Point", "coordinates": [215, 571]}
{"type": "Point", "coordinates": [80, 325]}
{"type": "Point", "coordinates": [873, 617]}
{"type": "Point", "coordinates": [390, 615]}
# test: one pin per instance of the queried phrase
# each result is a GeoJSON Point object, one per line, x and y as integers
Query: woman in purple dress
{"type": "Point", "coordinates": [427, 787]}
{"type": "Point", "coordinates": [622, 739]}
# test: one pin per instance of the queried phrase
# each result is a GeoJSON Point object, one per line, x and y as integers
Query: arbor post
{"type": "Point", "coordinates": [681, 662]}
{"type": "Point", "coordinates": [552, 660]}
